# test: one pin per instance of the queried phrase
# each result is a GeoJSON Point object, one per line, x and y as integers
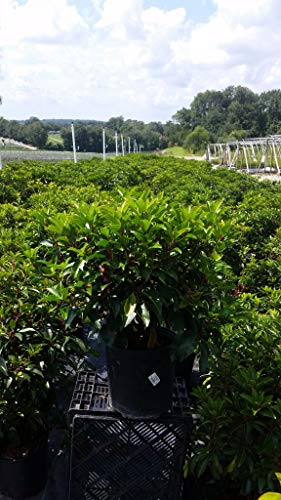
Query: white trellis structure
{"type": "Point", "coordinates": [262, 153]}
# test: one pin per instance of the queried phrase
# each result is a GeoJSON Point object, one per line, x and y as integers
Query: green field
{"type": "Point", "coordinates": [12, 147]}
{"type": "Point", "coordinates": [55, 139]}
{"type": "Point", "coordinates": [175, 151]}
{"type": "Point", "coordinates": [22, 154]}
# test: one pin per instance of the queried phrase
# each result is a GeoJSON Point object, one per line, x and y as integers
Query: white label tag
{"type": "Point", "coordinates": [154, 379]}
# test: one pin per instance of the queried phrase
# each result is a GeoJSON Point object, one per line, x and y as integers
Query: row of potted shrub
{"type": "Point", "coordinates": [133, 262]}
{"type": "Point", "coordinates": [128, 267]}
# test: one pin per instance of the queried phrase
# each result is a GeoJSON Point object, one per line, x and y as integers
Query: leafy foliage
{"type": "Point", "coordinates": [131, 244]}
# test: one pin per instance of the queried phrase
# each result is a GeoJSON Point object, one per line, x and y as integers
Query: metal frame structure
{"type": "Point", "coordinates": [261, 153]}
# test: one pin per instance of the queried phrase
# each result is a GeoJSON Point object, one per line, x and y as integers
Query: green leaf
{"type": "Point", "coordinates": [188, 344]}
{"type": "Point", "coordinates": [3, 366]}
{"type": "Point", "coordinates": [156, 305]}
{"type": "Point", "coordinates": [18, 335]}
{"type": "Point", "coordinates": [8, 382]}
{"type": "Point", "coordinates": [278, 475]}
{"type": "Point", "coordinates": [72, 313]}
{"type": "Point", "coordinates": [129, 309]}
{"type": "Point", "coordinates": [131, 300]}
{"type": "Point", "coordinates": [203, 362]}
{"type": "Point", "coordinates": [37, 372]}
{"type": "Point", "coordinates": [270, 495]}
{"type": "Point", "coordinates": [80, 343]}
{"type": "Point", "coordinates": [24, 330]}
{"type": "Point", "coordinates": [156, 245]}
{"type": "Point", "coordinates": [145, 315]}
{"type": "Point", "coordinates": [131, 315]}
{"type": "Point", "coordinates": [46, 243]}
{"type": "Point", "coordinates": [230, 468]}
{"type": "Point", "coordinates": [80, 268]}
{"type": "Point", "coordinates": [54, 292]}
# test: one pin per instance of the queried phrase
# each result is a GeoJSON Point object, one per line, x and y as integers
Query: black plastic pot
{"type": "Point", "coordinates": [27, 476]}
{"type": "Point", "coordinates": [140, 382]}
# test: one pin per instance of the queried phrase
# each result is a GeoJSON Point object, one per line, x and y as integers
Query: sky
{"type": "Point", "coordinates": [143, 59]}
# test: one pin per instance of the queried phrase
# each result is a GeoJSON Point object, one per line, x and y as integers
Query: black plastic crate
{"type": "Point", "coordinates": [118, 458]}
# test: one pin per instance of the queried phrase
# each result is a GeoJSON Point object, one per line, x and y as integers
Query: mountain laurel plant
{"type": "Point", "coordinates": [237, 435]}
{"type": "Point", "coordinates": [138, 263]}
{"type": "Point", "coordinates": [34, 353]}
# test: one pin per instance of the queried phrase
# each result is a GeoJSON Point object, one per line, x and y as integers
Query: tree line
{"type": "Point", "coordinates": [31, 131]}
{"type": "Point", "coordinates": [213, 116]}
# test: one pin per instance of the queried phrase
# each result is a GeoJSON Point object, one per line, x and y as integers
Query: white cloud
{"type": "Point", "coordinates": [245, 11]}
{"type": "Point", "coordinates": [127, 59]}
{"type": "Point", "coordinates": [38, 21]}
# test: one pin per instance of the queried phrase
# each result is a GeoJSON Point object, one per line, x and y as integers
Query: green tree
{"type": "Point", "coordinates": [115, 123]}
{"type": "Point", "coordinates": [36, 134]}
{"type": "Point", "coordinates": [197, 140]}
{"type": "Point", "coordinates": [244, 112]}
{"type": "Point", "coordinates": [270, 104]}
{"type": "Point", "coordinates": [184, 118]}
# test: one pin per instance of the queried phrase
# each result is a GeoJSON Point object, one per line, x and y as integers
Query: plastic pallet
{"type": "Point", "coordinates": [91, 396]}
{"type": "Point", "coordinates": [118, 458]}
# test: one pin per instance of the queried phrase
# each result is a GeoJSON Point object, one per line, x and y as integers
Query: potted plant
{"type": "Point", "coordinates": [33, 357]}
{"type": "Point", "coordinates": [135, 268]}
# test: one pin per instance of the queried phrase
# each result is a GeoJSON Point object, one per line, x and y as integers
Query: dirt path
{"type": "Point", "coordinates": [269, 177]}
{"type": "Point", "coordinates": [16, 143]}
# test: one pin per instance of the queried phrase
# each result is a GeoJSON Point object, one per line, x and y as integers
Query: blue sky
{"type": "Point", "coordinates": [142, 59]}
{"type": "Point", "coordinates": [198, 10]}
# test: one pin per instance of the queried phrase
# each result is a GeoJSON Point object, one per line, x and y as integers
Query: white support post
{"type": "Point", "coordinates": [129, 145]}
{"type": "Point", "coordinates": [116, 144]}
{"type": "Point", "coordinates": [246, 158]}
{"type": "Point", "coordinates": [253, 153]}
{"type": "Point", "coordinates": [122, 145]}
{"type": "Point", "coordinates": [103, 145]}
{"type": "Point", "coordinates": [73, 143]}
{"type": "Point", "coordinates": [235, 156]}
{"type": "Point", "coordinates": [275, 157]}
{"type": "Point", "coordinates": [228, 153]}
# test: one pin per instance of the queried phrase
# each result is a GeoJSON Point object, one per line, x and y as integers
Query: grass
{"type": "Point", "coordinates": [43, 155]}
{"type": "Point", "coordinates": [175, 151]}
{"type": "Point", "coordinates": [55, 139]}
{"type": "Point", "coordinates": [11, 147]}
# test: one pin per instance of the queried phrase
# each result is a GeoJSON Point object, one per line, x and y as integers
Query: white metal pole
{"type": "Point", "coordinates": [116, 144]}
{"type": "Point", "coordinates": [122, 144]}
{"type": "Point", "coordinates": [129, 145]}
{"type": "Point", "coordinates": [246, 159]}
{"type": "Point", "coordinates": [275, 157]}
{"type": "Point", "coordinates": [73, 143]}
{"type": "Point", "coordinates": [103, 144]}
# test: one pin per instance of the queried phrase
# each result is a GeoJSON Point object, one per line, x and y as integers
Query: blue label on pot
{"type": "Point", "coordinates": [154, 379]}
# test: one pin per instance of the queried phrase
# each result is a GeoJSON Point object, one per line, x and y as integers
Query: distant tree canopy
{"type": "Point", "coordinates": [32, 131]}
{"type": "Point", "coordinates": [213, 115]}
{"type": "Point", "coordinates": [197, 140]}
{"type": "Point", "coordinates": [232, 113]}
